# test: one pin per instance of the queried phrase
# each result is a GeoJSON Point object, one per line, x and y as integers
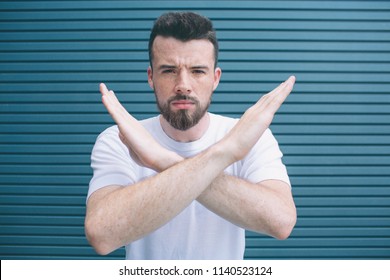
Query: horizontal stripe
{"type": "Point", "coordinates": [334, 129]}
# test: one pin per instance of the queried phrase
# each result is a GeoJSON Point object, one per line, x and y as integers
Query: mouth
{"type": "Point", "coordinates": [182, 104]}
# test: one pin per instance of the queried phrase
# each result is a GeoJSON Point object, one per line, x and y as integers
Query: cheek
{"type": "Point", "coordinates": [163, 84]}
{"type": "Point", "coordinates": [208, 88]}
{"type": "Point", "coordinates": [162, 92]}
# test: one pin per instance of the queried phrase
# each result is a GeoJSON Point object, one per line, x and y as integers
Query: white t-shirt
{"type": "Point", "coordinates": [196, 233]}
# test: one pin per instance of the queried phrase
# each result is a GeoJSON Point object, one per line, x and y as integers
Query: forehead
{"type": "Point", "coordinates": [168, 50]}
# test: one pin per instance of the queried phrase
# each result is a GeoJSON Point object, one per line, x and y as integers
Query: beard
{"type": "Point", "coordinates": [182, 119]}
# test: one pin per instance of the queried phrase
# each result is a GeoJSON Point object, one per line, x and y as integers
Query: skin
{"type": "Point", "coordinates": [184, 68]}
{"type": "Point", "coordinates": [118, 215]}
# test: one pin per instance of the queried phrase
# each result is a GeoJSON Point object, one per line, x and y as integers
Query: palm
{"type": "Point", "coordinates": [257, 119]}
{"type": "Point", "coordinates": [142, 146]}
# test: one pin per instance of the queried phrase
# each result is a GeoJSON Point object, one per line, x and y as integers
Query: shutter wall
{"type": "Point", "coordinates": [334, 129]}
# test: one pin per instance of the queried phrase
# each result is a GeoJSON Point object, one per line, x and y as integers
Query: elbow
{"type": "Point", "coordinates": [99, 247]}
{"type": "Point", "coordinates": [284, 232]}
{"type": "Point", "coordinates": [95, 239]}
{"type": "Point", "coordinates": [279, 227]}
{"type": "Point", "coordinates": [285, 226]}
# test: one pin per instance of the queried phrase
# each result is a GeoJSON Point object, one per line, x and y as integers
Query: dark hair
{"type": "Point", "coordinates": [183, 26]}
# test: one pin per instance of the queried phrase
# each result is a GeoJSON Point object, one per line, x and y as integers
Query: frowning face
{"type": "Point", "coordinates": [183, 78]}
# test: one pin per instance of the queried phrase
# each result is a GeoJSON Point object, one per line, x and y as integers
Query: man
{"type": "Point", "coordinates": [186, 184]}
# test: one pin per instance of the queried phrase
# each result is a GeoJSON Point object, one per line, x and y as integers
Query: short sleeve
{"type": "Point", "coordinates": [264, 161]}
{"type": "Point", "coordinates": [110, 162]}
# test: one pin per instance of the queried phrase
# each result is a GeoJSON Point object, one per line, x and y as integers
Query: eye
{"type": "Point", "coordinates": [198, 71]}
{"type": "Point", "coordinates": [168, 71]}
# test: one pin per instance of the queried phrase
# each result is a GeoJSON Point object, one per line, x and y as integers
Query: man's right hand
{"type": "Point", "coordinates": [142, 146]}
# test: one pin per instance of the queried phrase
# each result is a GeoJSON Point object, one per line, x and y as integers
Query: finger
{"type": "Point", "coordinates": [279, 94]}
{"type": "Point", "coordinates": [285, 86]}
{"type": "Point", "coordinates": [280, 86]}
{"type": "Point", "coordinates": [103, 89]}
{"type": "Point", "coordinates": [108, 94]}
{"type": "Point", "coordinates": [112, 104]}
{"type": "Point", "coordinates": [108, 97]}
{"type": "Point", "coordinates": [286, 89]}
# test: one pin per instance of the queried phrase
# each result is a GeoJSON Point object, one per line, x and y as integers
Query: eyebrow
{"type": "Point", "coordinates": [165, 66]}
{"type": "Point", "coordinates": [200, 66]}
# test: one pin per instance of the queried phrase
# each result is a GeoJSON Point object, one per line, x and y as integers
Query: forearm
{"type": "Point", "coordinates": [128, 213]}
{"type": "Point", "coordinates": [256, 207]}
{"type": "Point", "coordinates": [266, 207]}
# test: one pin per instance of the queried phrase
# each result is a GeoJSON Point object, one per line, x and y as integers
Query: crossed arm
{"type": "Point", "coordinates": [118, 215]}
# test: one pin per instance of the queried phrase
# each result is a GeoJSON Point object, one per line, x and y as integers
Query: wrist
{"type": "Point", "coordinates": [223, 152]}
{"type": "Point", "coordinates": [230, 148]}
{"type": "Point", "coordinates": [169, 159]}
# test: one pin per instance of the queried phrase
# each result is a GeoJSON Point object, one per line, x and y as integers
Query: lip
{"type": "Point", "coordinates": [182, 104]}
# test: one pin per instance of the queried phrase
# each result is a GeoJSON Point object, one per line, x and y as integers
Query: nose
{"type": "Point", "coordinates": [183, 85]}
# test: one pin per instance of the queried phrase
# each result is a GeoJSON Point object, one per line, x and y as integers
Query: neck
{"type": "Point", "coordinates": [192, 134]}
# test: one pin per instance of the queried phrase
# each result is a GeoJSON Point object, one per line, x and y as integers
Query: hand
{"type": "Point", "coordinates": [256, 120]}
{"type": "Point", "coordinates": [142, 146]}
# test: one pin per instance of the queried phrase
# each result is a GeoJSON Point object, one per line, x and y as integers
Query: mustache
{"type": "Point", "coordinates": [183, 97]}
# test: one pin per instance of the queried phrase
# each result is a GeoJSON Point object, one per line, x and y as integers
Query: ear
{"type": "Point", "coordinates": [217, 77]}
{"type": "Point", "coordinates": [150, 77]}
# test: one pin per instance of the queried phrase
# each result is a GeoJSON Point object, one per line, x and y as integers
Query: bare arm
{"type": "Point", "coordinates": [118, 215]}
{"type": "Point", "coordinates": [266, 207]}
